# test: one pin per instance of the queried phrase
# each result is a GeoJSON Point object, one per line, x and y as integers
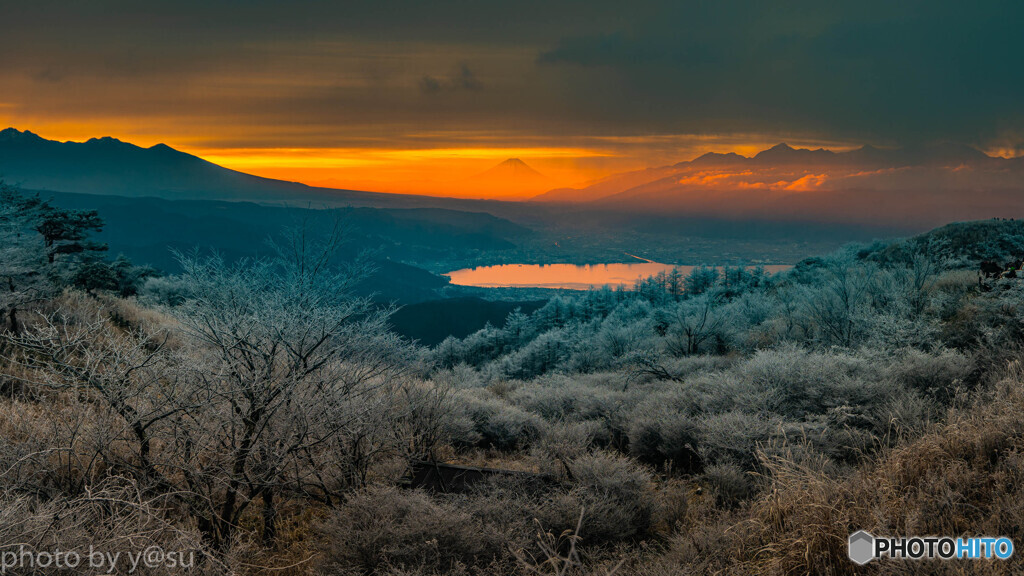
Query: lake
{"type": "Point", "coordinates": [567, 276]}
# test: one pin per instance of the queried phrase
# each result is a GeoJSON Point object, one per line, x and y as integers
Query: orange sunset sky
{"type": "Point", "coordinates": [446, 164]}
{"type": "Point", "coordinates": [421, 97]}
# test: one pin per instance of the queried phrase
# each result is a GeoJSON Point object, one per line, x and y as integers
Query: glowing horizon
{"type": "Point", "coordinates": [422, 98]}
{"type": "Point", "coordinates": [451, 169]}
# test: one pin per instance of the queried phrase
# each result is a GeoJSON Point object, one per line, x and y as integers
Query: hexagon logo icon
{"type": "Point", "coordinates": [861, 547]}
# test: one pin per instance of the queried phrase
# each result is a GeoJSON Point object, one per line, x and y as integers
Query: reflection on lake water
{"type": "Point", "coordinates": [568, 276]}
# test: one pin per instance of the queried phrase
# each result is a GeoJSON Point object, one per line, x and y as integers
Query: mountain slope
{"type": "Point", "coordinates": [110, 166]}
{"type": "Point", "coordinates": [399, 241]}
{"type": "Point", "coordinates": [605, 187]}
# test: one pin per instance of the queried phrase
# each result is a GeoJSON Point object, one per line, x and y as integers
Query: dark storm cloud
{"type": "Point", "coordinates": [863, 71]}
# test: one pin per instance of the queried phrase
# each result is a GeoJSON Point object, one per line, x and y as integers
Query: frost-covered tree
{"type": "Point", "coordinates": [842, 297]}
{"type": "Point", "coordinates": [695, 323]}
{"type": "Point", "coordinates": [290, 361]}
{"type": "Point", "coordinates": [700, 280]}
{"type": "Point", "coordinates": [22, 254]}
{"type": "Point", "coordinates": [674, 283]}
{"type": "Point", "coordinates": [42, 247]}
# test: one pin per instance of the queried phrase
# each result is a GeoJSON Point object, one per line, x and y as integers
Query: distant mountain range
{"type": "Point", "coordinates": [917, 186]}
{"type": "Point", "coordinates": [110, 166]}
{"type": "Point", "coordinates": [939, 154]}
{"type": "Point", "coordinates": [785, 156]}
{"type": "Point", "coordinates": [924, 185]}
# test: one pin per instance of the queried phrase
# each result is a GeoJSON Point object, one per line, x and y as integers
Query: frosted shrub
{"type": "Point", "coordinates": [561, 397]}
{"type": "Point", "coordinates": [566, 441]}
{"type": "Point", "coordinates": [730, 483]}
{"type": "Point", "coordinates": [511, 428]}
{"type": "Point", "coordinates": [949, 291]}
{"type": "Point", "coordinates": [937, 375]}
{"type": "Point", "coordinates": [735, 437]}
{"type": "Point", "coordinates": [384, 527]}
{"type": "Point", "coordinates": [616, 340]}
{"type": "Point", "coordinates": [498, 423]}
{"type": "Point", "coordinates": [462, 430]}
{"type": "Point", "coordinates": [616, 495]}
{"type": "Point", "coordinates": [845, 434]}
{"type": "Point", "coordinates": [887, 331]}
{"type": "Point", "coordinates": [551, 398]}
{"type": "Point", "coordinates": [429, 416]}
{"type": "Point", "coordinates": [660, 434]}
{"type": "Point", "coordinates": [693, 365]}
{"type": "Point", "coordinates": [746, 314]}
{"type": "Point", "coordinates": [726, 391]}
{"type": "Point", "coordinates": [458, 377]}
{"type": "Point", "coordinates": [543, 354]}
{"type": "Point", "coordinates": [585, 358]}
{"type": "Point", "coordinates": [163, 290]}
{"type": "Point", "coordinates": [799, 382]}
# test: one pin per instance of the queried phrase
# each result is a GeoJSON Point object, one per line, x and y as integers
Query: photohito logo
{"type": "Point", "coordinates": [863, 547]}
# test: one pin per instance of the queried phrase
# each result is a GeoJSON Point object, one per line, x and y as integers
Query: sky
{"type": "Point", "coordinates": [415, 96]}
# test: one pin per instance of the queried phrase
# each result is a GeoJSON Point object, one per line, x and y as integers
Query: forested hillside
{"type": "Point", "coordinates": [261, 415]}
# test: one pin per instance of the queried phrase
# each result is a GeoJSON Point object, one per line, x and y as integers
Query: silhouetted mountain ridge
{"type": "Point", "coordinates": [784, 156]}
{"type": "Point", "coordinates": [108, 165]}
{"type": "Point", "coordinates": [867, 156]}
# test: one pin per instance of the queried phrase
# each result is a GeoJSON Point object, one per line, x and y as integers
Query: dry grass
{"type": "Point", "coordinates": [113, 517]}
{"type": "Point", "coordinates": [965, 477]}
{"type": "Point", "coordinates": [295, 553]}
